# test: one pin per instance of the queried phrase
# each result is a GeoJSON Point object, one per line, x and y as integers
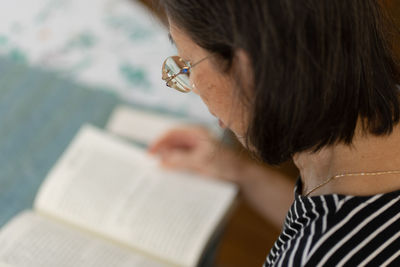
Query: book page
{"type": "Point", "coordinates": [141, 126]}
{"type": "Point", "coordinates": [34, 241]}
{"type": "Point", "coordinates": [108, 186]}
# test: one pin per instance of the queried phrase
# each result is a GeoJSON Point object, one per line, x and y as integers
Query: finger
{"type": "Point", "coordinates": [176, 160]}
{"type": "Point", "coordinates": [183, 160]}
{"type": "Point", "coordinates": [174, 139]}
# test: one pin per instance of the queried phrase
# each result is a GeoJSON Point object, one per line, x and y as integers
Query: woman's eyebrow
{"type": "Point", "coordinates": [171, 39]}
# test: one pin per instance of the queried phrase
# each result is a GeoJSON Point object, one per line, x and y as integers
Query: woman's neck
{"type": "Point", "coordinates": [368, 153]}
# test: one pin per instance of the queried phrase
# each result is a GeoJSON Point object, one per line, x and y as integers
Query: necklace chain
{"type": "Point", "coordinates": [349, 174]}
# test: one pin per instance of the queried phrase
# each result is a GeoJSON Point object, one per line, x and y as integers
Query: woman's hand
{"type": "Point", "coordinates": [194, 148]}
{"type": "Point", "coordinates": [269, 190]}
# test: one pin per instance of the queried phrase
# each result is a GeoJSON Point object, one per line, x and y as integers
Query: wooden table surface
{"type": "Point", "coordinates": [247, 239]}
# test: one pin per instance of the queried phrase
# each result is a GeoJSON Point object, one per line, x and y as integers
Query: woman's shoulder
{"type": "Point", "coordinates": [335, 229]}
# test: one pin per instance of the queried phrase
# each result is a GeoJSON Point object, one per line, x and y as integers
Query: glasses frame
{"type": "Point", "coordinates": [170, 81]}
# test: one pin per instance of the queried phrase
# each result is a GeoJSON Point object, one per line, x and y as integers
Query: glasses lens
{"type": "Point", "coordinates": [172, 67]}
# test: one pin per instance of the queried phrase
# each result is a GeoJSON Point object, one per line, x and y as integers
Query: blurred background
{"type": "Point", "coordinates": [116, 45]}
{"type": "Point", "coordinates": [66, 62]}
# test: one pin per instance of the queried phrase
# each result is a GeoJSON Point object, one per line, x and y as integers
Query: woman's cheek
{"type": "Point", "coordinates": [194, 83]}
{"type": "Point", "coordinates": [199, 86]}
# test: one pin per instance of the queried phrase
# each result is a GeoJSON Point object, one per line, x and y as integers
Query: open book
{"type": "Point", "coordinates": [107, 203]}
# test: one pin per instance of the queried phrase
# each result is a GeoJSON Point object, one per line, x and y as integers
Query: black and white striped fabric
{"type": "Point", "coordinates": [339, 230]}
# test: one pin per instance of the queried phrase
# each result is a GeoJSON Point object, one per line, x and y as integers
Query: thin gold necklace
{"type": "Point", "coordinates": [349, 174]}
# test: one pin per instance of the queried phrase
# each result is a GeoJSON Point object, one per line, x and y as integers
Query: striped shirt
{"type": "Point", "coordinates": [339, 230]}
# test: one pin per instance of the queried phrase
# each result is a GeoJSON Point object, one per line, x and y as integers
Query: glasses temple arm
{"type": "Point", "coordinates": [201, 60]}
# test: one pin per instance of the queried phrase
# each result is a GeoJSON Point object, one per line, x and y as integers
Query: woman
{"type": "Point", "coordinates": [311, 80]}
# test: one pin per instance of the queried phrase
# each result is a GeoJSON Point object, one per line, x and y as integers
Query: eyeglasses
{"type": "Point", "coordinates": [176, 71]}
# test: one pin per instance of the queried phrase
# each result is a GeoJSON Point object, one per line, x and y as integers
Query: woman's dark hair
{"type": "Point", "coordinates": [319, 66]}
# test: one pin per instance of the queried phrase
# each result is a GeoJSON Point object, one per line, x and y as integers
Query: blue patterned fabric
{"type": "Point", "coordinates": [39, 115]}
